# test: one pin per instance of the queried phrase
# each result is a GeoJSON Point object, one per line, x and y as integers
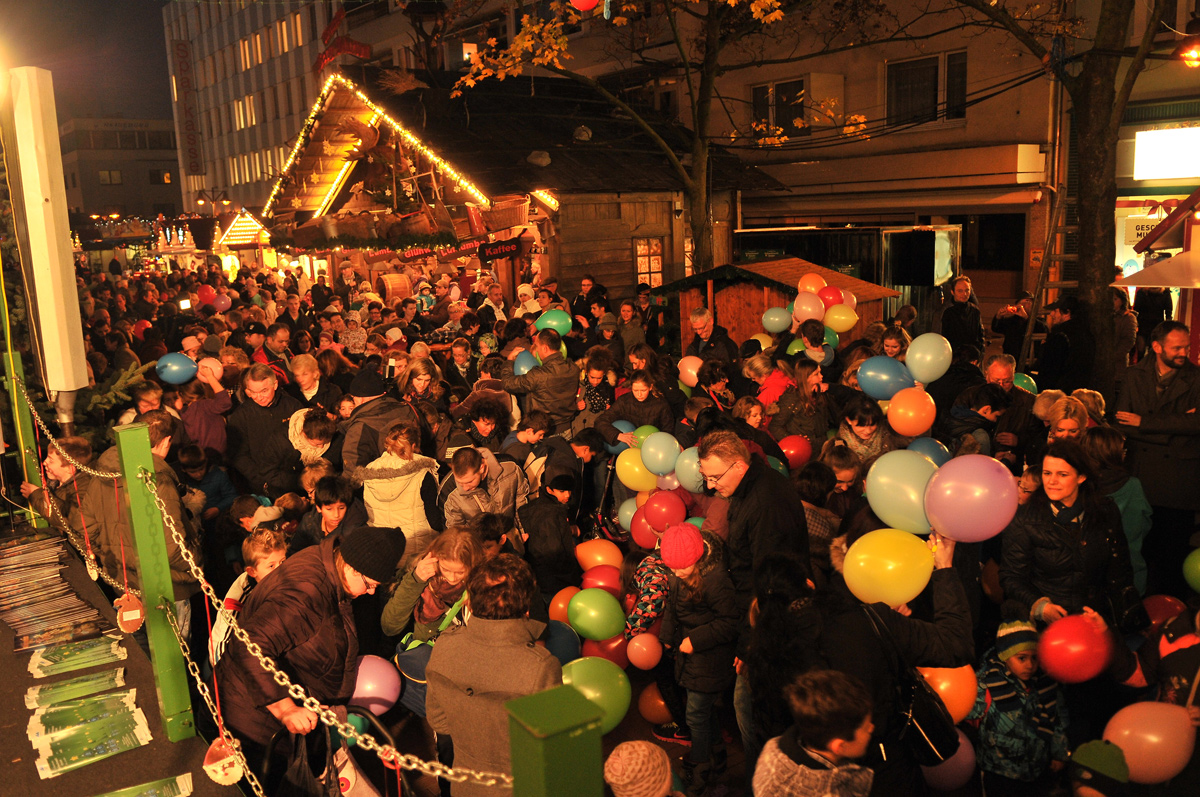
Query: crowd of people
{"type": "Point", "coordinates": [361, 476]}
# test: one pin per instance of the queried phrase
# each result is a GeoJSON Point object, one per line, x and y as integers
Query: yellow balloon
{"type": "Point", "coordinates": [888, 566]}
{"type": "Point", "coordinates": [633, 473]}
{"type": "Point", "coordinates": [811, 283]}
{"type": "Point", "coordinates": [764, 339]}
{"type": "Point", "coordinates": [840, 318]}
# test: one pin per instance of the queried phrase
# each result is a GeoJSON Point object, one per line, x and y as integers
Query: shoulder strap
{"type": "Point", "coordinates": [885, 636]}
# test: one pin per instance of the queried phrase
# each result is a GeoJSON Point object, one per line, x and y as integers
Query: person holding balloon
{"type": "Point", "coordinates": [641, 406]}
{"type": "Point", "coordinates": [802, 409]}
{"type": "Point", "coordinates": [895, 343]}
{"type": "Point", "coordinates": [700, 623]}
{"type": "Point", "coordinates": [864, 428]}
{"type": "Point", "coordinates": [1022, 714]}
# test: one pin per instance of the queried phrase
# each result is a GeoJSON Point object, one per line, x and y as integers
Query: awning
{"type": "Point", "coordinates": [1180, 271]}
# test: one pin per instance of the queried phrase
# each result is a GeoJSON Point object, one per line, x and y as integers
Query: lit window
{"type": "Point", "coordinates": [648, 257]}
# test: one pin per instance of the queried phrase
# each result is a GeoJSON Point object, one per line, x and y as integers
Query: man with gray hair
{"type": "Point", "coordinates": [711, 341]}
{"type": "Point", "coordinates": [263, 415]}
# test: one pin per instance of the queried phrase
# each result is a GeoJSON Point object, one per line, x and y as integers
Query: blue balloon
{"type": "Point", "coordinates": [687, 470]}
{"type": "Point", "coordinates": [882, 377]}
{"type": "Point", "coordinates": [618, 447]}
{"type": "Point", "coordinates": [524, 363]}
{"type": "Point", "coordinates": [932, 449]}
{"type": "Point", "coordinates": [175, 368]}
{"type": "Point", "coordinates": [625, 513]}
{"type": "Point", "coordinates": [562, 642]}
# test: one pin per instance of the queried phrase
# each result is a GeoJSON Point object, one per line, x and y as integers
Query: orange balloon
{"type": "Point", "coordinates": [956, 686]}
{"type": "Point", "coordinates": [594, 553]}
{"type": "Point", "coordinates": [651, 706]}
{"type": "Point", "coordinates": [811, 283]}
{"type": "Point", "coordinates": [911, 412]}
{"type": "Point", "coordinates": [643, 497]}
{"type": "Point", "coordinates": [558, 604]}
{"type": "Point", "coordinates": [644, 651]}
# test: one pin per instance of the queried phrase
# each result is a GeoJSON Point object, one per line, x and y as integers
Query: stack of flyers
{"type": "Point", "coordinates": [36, 600]}
{"type": "Point", "coordinates": [75, 656]}
{"type": "Point", "coordinates": [60, 716]}
{"type": "Point", "coordinates": [179, 786]}
{"type": "Point", "coordinates": [80, 745]}
{"type": "Point", "coordinates": [39, 696]}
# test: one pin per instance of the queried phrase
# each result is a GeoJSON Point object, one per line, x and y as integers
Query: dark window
{"type": "Point", "coordinates": [912, 91]}
{"type": "Point", "coordinates": [161, 139]}
{"type": "Point", "coordinates": [956, 85]}
{"type": "Point", "coordinates": [780, 105]}
{"type": "Point", "coordinates": [109, 176]}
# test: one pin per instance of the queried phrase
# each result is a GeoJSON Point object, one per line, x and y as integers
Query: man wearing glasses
{"type": "Point", "coordinates": [712, 342]}
{"type": "Point", "coordinates": [1018, 426]}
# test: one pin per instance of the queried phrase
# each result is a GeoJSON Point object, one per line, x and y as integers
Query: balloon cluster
{"type": "Point", "coordinates": [208, 296]}
{"type": "Point", "coordinates": [910, 410]}
{"type": "Point", "coordinates": [818, 300]}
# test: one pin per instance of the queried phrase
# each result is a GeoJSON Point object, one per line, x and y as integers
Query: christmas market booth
{"type": "Point", "coordinates": [520, 176]}
{"type": "Point", "coordinates": [739, 295]}
{"type": "Point", "coordinates": [1180, 271]}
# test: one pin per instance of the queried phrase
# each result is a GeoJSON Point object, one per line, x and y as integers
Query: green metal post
{"type": "Point", "coordinates": [154, 570]}
{"type": "Point", "coordinates": [554, 737]}
{"type": "Point", "coordinates": [23, 423]}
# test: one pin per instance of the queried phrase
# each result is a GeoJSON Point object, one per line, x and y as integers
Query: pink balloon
{"type": "Point", "coordinates": [689, 367]}
{"type": "Point", "coordinates": [668, 482]}
{"type": "Point", "coordinates": [644, 651]}
{"type": "Point", "coordinates": [808, 305]}
{"type": "Point", "coordinates": [1157, 739]}
{"type": "Point", "coordinates": [849, 299]}
{"type": "Point", "coordinates": [971, 498]}
{"type": "Point", "coordinates": [956, 771]}
{"type": "Point", "coordinates": [221, 303]}
{"type": "Point", "coordinates": [378, 686]}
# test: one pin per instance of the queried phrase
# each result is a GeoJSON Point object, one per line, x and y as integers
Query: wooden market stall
{"type": "Point", "coordinates": [1182, 271]}
{"type": "Point", "coordinates": [739, 295]}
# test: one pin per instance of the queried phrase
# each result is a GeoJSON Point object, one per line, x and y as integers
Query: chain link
{"type": "Point", "coordinates": [50, 436]}
{"type": "Point", "coordinates": [202, 688]}
{"type": "Point", "coordinates": [390, 756]}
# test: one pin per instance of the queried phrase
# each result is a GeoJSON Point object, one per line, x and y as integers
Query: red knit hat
{"type": "Point", "coordinates": [681, 546]}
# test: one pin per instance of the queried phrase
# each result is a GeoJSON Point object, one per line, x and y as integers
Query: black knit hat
{"type": "Point", "coordinates": [367, 383]}
{"type": "Point", "coordinates": [374, 551]}
{"type": "Point", "coordinates": [563, 481]}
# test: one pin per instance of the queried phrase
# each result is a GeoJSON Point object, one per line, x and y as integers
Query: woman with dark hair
{"type": "Point", "coordinates": [642, 405]}
{"type": "Point", "coordinates": [1106, 446]}
{"type": "Point", "coordinates": [1066, 550]}
{"type": "Point", "coordinates": [302, 342]}
{"type": "Point", "coordinates": [713, 381]}
{"type": "Point", "coordinates": [802, 409]}
{"type": "Point", "coordinates": [336, 368]}
{"type": "Point", "coordinates": [864, 428]}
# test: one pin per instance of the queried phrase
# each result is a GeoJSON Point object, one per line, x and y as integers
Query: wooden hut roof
{"type": "Point", "coordinates": [782, 275]}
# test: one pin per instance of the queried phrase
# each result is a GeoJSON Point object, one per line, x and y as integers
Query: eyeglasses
{"type": "Point", "coordinates": [713, 481]}
{"type": "Point", "coordinates": [369, 584]}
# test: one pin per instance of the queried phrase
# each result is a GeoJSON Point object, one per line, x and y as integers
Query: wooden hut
{"type": "Point", "coordinates": [739, 295]}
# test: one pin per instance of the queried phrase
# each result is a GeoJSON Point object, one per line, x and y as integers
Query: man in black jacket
{"type": "Point", "coordinates": [711, 342]}
{"type": "Point", "coordinates": [1070, 350]}
{"type": "Point", "coordinates": [256, 423]}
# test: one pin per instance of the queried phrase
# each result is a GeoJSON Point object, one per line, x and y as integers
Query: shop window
{"type": "Point", "coordinates": [648, 257]}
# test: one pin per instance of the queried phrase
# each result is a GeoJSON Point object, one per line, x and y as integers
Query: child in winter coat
{"type": "Point", "coordinates": [262, 552]}
{"type": "Point", "coordinates": [831, 715]}
{"type": "Point", "coordinates": [549, 537]}
{"type": "Point", "coordinates": [701, 624]}
{"type": "Point", "coordinates": [1023, 719]}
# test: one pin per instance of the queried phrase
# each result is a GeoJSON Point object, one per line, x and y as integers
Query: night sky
{"type": "Point", "coordinates": [108, 57]}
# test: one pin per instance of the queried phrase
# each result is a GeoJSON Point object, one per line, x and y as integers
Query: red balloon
{"type": "Point", "coordinates": [797, 449]}
{"type": "Point", "coordinates": [585, 5]}
{"type": "Point", "coordinates": [652, 707]}
{"type": "Point", "coordinates": [1073, 650]}
{"type": "Point", "coordinates": [664, 509]}
{"type": "Point", "coordinates": [605, 577]}
{"type": "Point", "coordinates": [830, 296]}
{"type": "Point", "coordinates": [642, 532]}
{"type": "Point", "coordinates": [615, 649]}
{"type": "Point", "coordinates": [140, 327]}
{"type": "Point", "coordinates": [206, 294]}
{"type": "Point", "coordinates": [1162, 608]}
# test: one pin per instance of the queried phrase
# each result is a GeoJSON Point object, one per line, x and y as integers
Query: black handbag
{"type": "Point", "coordinates": [310, 751]}
{"type": "Point", "coordinates": [928, 731]}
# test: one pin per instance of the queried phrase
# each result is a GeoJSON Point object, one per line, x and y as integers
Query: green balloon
{"type": "Point", "coordinates": [777, 465]}
{"type": "Point", "coordinates": [604, 684]}
{"type": "Point", "coordinates": [687, 391]}
{"type": "Point", "coordinates": [831, 338]}
{"type": "Point", "coordinates": [359, 724]}
{"type": "Point", "coordinates": [595, 614]}
{"type": "Point", "coordinates": [1025, 382]}
{"type": "Point", "coordinates": [698, 522]}
{"type": "Point", "coordinates": [639, 436]}
{"type": "Point", "coordinates": [1191, 569]}
{"type": "Point", "coordinates": [795, 346]}
{"type": "Point", "coordinates": [556, 319]}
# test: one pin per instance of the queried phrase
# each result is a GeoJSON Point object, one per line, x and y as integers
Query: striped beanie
{"type": "Point", "coordinates": [1015, 637]}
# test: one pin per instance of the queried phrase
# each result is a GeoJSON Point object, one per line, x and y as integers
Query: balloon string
{"type": "Point", "coordinates": [87, 542]}
{"type": "Point", "coordinates": [211, 650]}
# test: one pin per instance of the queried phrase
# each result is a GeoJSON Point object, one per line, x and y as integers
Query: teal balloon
{"type": "Point", "coordinates": [882, 377]}
{"type": "Point", "coordinates": [776, 319]}
{"type": "Point", "coordinates": [604, 684]}
{"type": "Point", "coordinates": [1130, 263]}
{"type": "Point", "coordinates": [641, 433]}
{"type": "Point", "coordinates": [618, 447]}
{"type": "Point", "coordinates": [558, 320]}
{"type": "Point", "coordinates": [795, 346]}
{"type": "Point", "coordinates": [896, 489]}
{"type": "Point", "coordinates": [1025, 382]}
{"type": "Point", "coordinates": [937, 453]}
{"type": "Point", "coordinates": [1191, 569]}
{"type": "Point", "coordinates": [687, 391]}
{"type": "Point", "coordinates": [831, 338]}
{"type": "Point", "coordinates": [687, 470]}
{"type": "Point", "coordinates": [625, 513]}
{"type": "Point", "coordinates": [698, 522]}
{"type": "Point", "coordinates": [524, 363]}
{"type": "Point", "coordinates": [595, 614]}
{"type": "Point", "coordinates": [777, 465]}
{"type": "Point", "coordinates": [928, 357]}
{"type": "Point", "coordinates": [175, 368]}
{"type": "Point", "coordinates": [659, 452]}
